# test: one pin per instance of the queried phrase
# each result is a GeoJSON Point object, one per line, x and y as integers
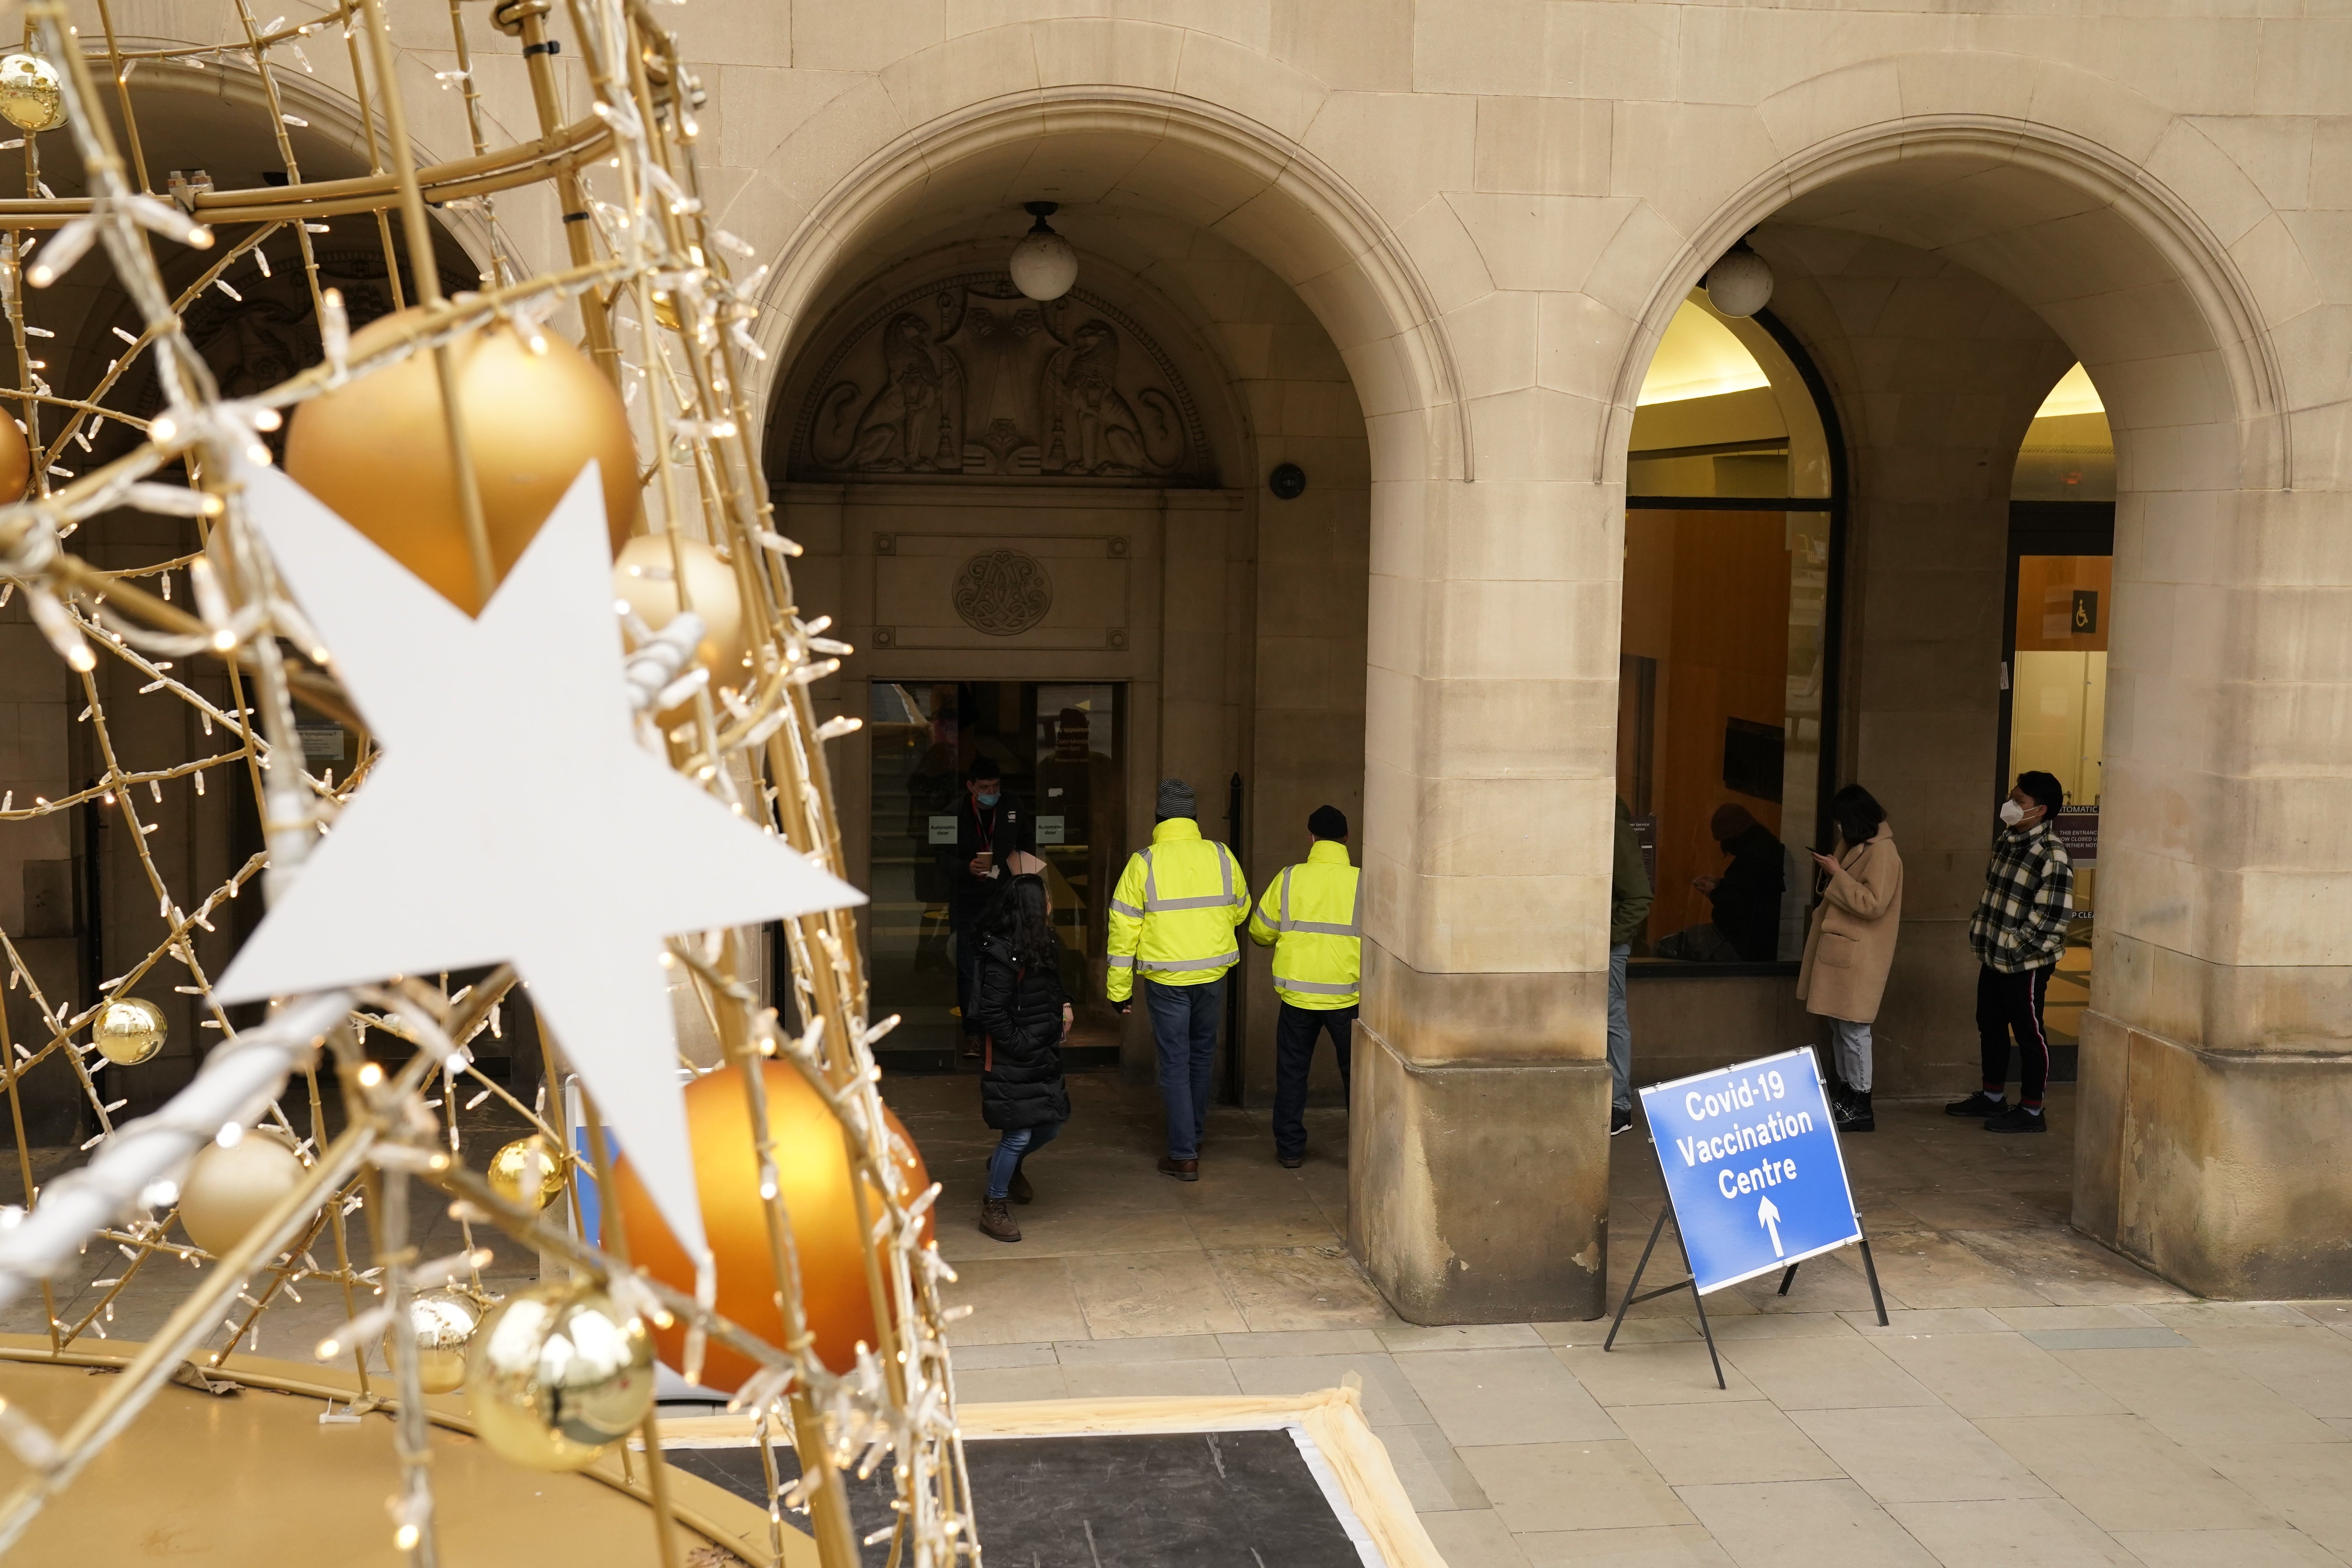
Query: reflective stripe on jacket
{"type": "Point", "coordinates": [1173, 913]}
{"type": "Point", "coordinates": [1308, 915]}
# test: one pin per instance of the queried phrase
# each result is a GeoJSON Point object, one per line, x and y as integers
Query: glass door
{"type": "Point", "coordinates": [1061, 747]}
{"type": "Point", "coordinates": [2057, 689]}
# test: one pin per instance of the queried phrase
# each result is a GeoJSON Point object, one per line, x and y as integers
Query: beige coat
{"type": "Point", "coordinates": [1850, 945]}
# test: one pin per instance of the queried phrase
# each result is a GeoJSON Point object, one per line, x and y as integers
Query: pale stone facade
{"type": "Point", "coordinates": [1424, 250]}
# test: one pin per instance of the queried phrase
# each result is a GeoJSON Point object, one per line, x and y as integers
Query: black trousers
{"type": "Point", "coordinates": [2010, 1004]}
{"type": "Point", "coordinates": [966, 933]}
{"type": "Point", "coordinates": [1295, 1030]}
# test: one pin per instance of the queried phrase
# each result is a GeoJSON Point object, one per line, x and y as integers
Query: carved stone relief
{"type": "Point", "coordinates": [1002, 592]}
{"type": "Point", "coordinates": [966, 378]}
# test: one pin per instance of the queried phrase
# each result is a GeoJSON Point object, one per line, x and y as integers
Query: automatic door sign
{"type": "Point", "coordinates": [1752, 1165]}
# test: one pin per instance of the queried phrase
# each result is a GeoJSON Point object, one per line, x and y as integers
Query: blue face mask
{"type": "Point", "coordinates": [988, 797]}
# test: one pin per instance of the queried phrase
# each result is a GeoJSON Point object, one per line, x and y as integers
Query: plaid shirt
{"type": "Point", "coordinates": [2020, 921]}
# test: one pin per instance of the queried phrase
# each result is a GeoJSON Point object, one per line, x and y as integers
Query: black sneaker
{"type": "Point", "coordinates": [1621, 1117]}
{"type": "Point", "coordinates": [1978, 1104]}
{"type": "Point", "coordinates": [2016, 1119]}
{"type": "Point", "coordinates": [1851, 1113]}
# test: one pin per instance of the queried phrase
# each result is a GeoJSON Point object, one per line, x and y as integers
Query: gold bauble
{"type": "Point", "coordinates": [376, 451]}
{"type": "Point", "coordinates": [128, 1030]}
{"type": "Point", "coordinates": [558, 1374]}
{"type": "Point", "coordinates": [646, 579]}
{"type": "Point", "coordinates": [511, 1179]}
{"type": "Point", "coordinates": [443, 1322]}
{"type": "Point", "coordinates": [665, 311]}
{"type": "Point", "coordinates": [32, 93]}
{"type": "Point", "coordinates": [15, 459]}
{"type": "Point", "coordinates": [813, 1173]}
{"type": "Point", "coordinates": [227, 1190]}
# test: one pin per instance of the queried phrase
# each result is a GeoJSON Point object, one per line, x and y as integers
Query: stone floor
{"type": "Point", "coordinates": [2036, 1401]}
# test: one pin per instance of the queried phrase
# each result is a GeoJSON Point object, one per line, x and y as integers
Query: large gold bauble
{"type": "Point", "coordinates": [375, 450]}
{"type": "Point", "coordinates": [128, 1030]}
{"type": "Point", "coordinates": [646, 579]}
{"type": "Point", "coordinates": [443, 1322]}
{"type": "Point", "coordinates": [510, 1172]}
{"type": "Point", "coordinates": [227, 1190]}
{"type": "Point", "coordinates": [812, 1173]}
{"type": "Point", "coordinates": [15, 459]}
{"type": "Point", "coordinates": [32, 93]}
{"type": "Point", "coordinates": [558, 1374]}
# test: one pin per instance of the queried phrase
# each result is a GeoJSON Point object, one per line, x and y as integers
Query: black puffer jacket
{"type": "Point", "coordinates": [1020, 1011]}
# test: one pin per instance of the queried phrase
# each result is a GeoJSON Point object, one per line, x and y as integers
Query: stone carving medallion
{"type": "Point", "coordinates": [967, 378]}
{"type": "Point", "coordinates": [1002, 592]}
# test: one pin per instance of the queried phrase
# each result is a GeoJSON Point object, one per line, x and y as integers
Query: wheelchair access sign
{"type": "Point", "coordinates": [1752, 1166]}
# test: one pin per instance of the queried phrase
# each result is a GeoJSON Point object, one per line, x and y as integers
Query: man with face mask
{"type": "Point", "coordinates": [2018, 932]}
{"type": "Point", "coordinates": [991, 827]}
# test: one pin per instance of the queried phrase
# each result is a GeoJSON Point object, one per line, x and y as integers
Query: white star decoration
{"type": "Point", "coordinates": [512, 817]}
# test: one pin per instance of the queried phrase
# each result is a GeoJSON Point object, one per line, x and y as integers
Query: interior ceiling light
{"type": "Point", "coordinates": [1044, 265]}
{"type": "Point", "coordinates": [2072, 394]}
{"type": "Point", "coordinates": [1740, 282]}
{"type": "Point", "coordinates": [1699, 357]}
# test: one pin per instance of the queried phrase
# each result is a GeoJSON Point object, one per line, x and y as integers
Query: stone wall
{"type": "Point", "coordinates": [1490, 210]}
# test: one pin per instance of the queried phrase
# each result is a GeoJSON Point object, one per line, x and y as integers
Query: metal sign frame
{"type": "Point", "coordinates": [1788, 1269]}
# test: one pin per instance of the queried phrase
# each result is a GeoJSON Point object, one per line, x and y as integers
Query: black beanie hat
{"type": "Point", "coordinates": [1327, 822]}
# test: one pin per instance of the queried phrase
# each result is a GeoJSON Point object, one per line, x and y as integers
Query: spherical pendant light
{"type": "Point", "coordinates": [1044, 265]}
{"type": "Point", "coordinates": [1740, 282]}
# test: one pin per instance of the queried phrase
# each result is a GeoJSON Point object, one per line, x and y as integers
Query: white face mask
{"type": "Point", "coordinates": [2011, 814]}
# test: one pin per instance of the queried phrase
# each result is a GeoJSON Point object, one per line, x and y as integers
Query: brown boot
{"type": "Point", "coordinates": [1183, 1170]}
{"type": "Point", "coordinates": [1018, 1189]}
{"type": "Point", "coordinates": [996, 1221]}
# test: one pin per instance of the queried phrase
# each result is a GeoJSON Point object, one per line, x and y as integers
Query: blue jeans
{"type": "Point", "coordinates": [1014, 1146]}
{"type": "Point", "coordinates": [1621, 1031]}
{"type": "Point", "coordinates": [1184, 1027]}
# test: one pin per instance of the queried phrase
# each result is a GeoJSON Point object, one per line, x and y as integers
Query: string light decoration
{"type": "Point", "coordinates": [721, 689]}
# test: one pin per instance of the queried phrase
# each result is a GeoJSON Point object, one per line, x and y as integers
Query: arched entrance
{"type": "Point", "coordinates": [1945, 273]}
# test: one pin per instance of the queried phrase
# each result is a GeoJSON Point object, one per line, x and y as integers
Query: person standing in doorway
{"type": "Point", "coordinates": [2019, 932]}
{"type": "Point", "coordinates": [1850, 946]}
{"type": "Point", "coordinates": [1171, 921]}
{"type": "Point", "coordinates": [1628, 907]}
{"type": "Point", "coordinates": [989, 830]}
{"type": "Point", "coordinates": [1308, 915]}
{"type": "Point", "coordinates": [1023, 1019]}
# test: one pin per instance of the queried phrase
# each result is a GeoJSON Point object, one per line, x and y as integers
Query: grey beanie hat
{"type": "Point", "coordinates": [1176, 799]}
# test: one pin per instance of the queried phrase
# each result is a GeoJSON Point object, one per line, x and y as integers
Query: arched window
{"type": "Point", "coordinates": [1728, 663]}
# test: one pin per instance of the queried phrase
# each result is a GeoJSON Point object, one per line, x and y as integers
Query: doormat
{"type": "Point", "coordinates": [1214, 1482]}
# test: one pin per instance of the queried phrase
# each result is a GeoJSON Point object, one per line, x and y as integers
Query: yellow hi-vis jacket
{"type": "Point", "coordinates": [1308, 915]}
{"type": "Point", "coordinates": [1173, 913]}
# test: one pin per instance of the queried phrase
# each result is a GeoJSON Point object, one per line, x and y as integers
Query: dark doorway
{"type": "Point", "coordinates": [1063, 749]}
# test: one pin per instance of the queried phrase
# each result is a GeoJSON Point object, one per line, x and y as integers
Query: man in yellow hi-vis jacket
{"type": "Point", "coordinates": [1308, 915]}
{"type": "Point", "coordinates": [1171, 922]}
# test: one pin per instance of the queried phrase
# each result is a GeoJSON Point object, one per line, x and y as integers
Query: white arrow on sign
{"type": "Point", "coordinates": [1770, 1217]}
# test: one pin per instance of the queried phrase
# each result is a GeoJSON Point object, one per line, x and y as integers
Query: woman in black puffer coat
{"type": "Point", "coordinates": [1023, 1017]}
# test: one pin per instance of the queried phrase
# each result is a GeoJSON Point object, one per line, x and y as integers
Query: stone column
{"type": "Point", "coordinates": [2217, 1056]}
{"type": "Point", "coordinates": [1479, 1143]}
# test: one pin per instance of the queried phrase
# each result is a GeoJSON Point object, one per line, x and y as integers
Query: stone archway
{"type": "Point", "coordinates": [1270, 196]}
{"type": "Point", "coordinates": [1475, 1005]}
{"type": "Point", "coordinates": [2215, 1066]}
